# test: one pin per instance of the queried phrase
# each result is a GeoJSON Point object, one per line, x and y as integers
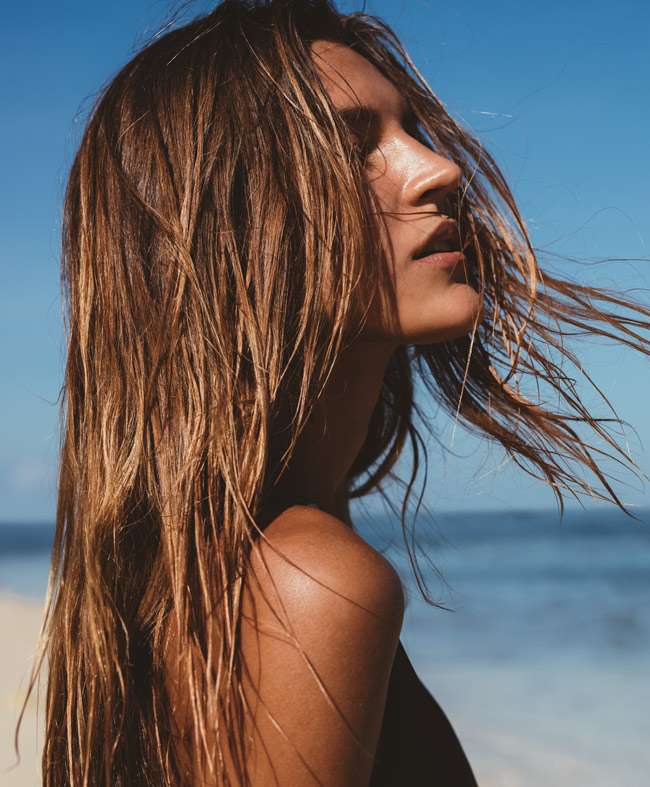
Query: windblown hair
{"type": "Point", "coordinates": [218, 235]}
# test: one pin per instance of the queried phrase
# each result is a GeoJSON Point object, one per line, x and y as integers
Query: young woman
{"type": "Point", "coordinates": [271, 226]}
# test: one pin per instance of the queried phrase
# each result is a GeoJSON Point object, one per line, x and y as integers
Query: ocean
{"type": "Point", "coordinates": [541, 662]}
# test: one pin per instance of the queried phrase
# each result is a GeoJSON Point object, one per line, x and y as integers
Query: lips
{"type": "Point", "coordinates": [441, 259]}
{"type": "Point", "coordinates": [444, 238]}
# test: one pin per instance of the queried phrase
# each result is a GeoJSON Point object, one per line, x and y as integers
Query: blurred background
{"type": "Point", "coordinates": [541, 661]}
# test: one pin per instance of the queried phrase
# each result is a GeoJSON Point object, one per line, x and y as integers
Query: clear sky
{"type": "Point", "coordinates": [556, 91]}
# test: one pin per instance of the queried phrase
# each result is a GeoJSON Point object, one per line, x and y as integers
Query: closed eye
{"type": "Point", "coordinates": [364, 124]}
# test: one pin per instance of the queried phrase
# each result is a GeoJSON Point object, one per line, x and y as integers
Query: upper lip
{"type": "Point", "coordinates": [446, 229]}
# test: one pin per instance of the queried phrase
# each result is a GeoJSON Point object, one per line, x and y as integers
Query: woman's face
{"type": "Point", "coordinates": [433, 300]}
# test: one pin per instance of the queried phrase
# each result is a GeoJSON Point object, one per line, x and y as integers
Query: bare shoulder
{"type": "Point", "coordinates": [313, 554]}
{"type": "Point", "coordinates": [322, 612]}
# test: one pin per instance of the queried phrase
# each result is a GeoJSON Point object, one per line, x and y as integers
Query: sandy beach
{"type": "Point", "coordinates": [20, 621]}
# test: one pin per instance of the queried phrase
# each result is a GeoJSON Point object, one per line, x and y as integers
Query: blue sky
{"type": "Point", "coordinates": [557, 93]}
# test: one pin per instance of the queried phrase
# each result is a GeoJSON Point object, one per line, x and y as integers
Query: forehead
{"type": "Point", "coordinates": [351, 80]}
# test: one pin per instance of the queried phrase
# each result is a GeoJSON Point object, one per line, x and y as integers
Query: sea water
{"type": "Point", "coordinates": [543, 664]}
{"type": "Point", "coordinates": [542, 659]}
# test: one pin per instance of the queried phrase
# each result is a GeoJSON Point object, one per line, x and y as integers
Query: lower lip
{"type": "Point", "coordinates": [442, 259]}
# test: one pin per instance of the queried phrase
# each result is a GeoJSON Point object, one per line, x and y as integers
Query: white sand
{"type": "Point", "coordinates": [20, 622]}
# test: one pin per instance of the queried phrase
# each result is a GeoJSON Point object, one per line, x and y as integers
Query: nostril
{"type": "Point", "coordinates": [436, 189]}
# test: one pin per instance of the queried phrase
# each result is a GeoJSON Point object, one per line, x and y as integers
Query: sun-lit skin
{"type": "Point", "coordinates": [433, 304]}
{"type": "Point", "coordinates": [411, 183]}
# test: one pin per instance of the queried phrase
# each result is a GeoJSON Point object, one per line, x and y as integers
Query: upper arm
{"type": "Point", "coordinates": [322, 617]}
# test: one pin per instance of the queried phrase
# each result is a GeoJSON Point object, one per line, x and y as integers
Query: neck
{"type": "Point", "coordinates": [337, 429]}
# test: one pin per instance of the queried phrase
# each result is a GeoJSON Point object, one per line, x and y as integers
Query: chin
{"type": "Point", "coordinates": [443, 319]}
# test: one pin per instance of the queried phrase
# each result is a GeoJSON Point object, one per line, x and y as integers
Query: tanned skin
{"type": "Point", "coordinates": [338, 702]}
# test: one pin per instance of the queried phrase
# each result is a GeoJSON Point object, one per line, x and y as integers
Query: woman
{"type": "Point", "coordinates": [270, 228]}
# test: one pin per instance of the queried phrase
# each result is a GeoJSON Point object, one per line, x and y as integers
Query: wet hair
{"type": "Point", "coordinates": [218, 232]}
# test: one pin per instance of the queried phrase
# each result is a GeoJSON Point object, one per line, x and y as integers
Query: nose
{"type": "Point", "coordinates": [434, 179]}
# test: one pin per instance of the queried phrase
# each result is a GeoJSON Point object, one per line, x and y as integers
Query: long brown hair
{"type": "Point", "coordinates": [217, 228]}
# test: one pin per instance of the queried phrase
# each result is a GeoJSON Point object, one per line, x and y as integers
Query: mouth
{"type": "Point", "coordinates": [442, 259]}
{"type": "Point", "coordinates": [443, 243]}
